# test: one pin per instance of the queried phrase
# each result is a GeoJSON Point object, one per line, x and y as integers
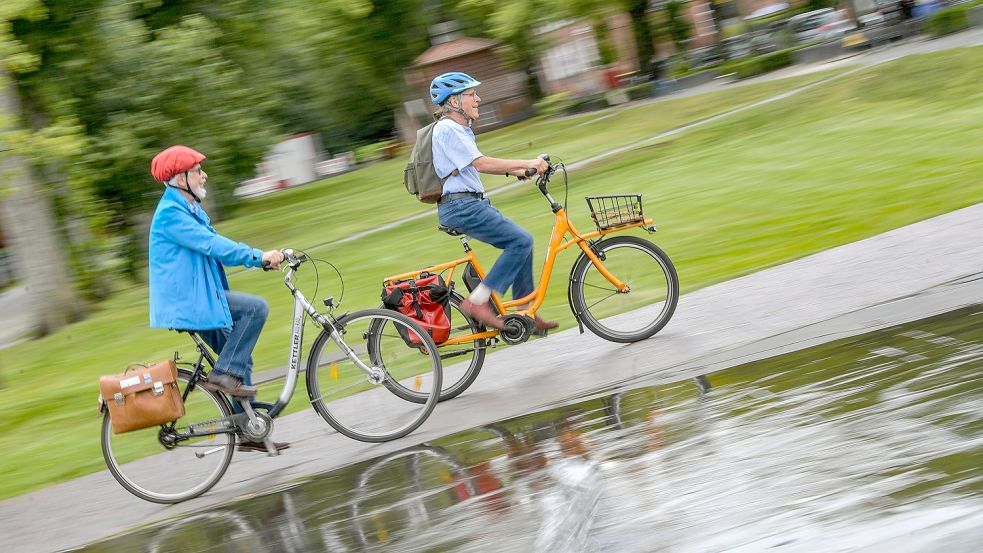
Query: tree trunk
{"type": "Point", "coordinates": [642, 32]}
{"type": "Point", "coordinates": [29, 224]}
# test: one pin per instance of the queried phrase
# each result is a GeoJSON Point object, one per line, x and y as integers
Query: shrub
{"type": "Point", "coordinates": [639, 91]}
{"type": "Point", "coordinates": [759, 64]}
{"type": "Point", "coordinates": [554, 104]}
{"type": "Point", "coordinates": [947, 21]}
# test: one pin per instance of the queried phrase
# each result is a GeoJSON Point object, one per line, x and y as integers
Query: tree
{"type": "Point", "coordinates": [25, 209]}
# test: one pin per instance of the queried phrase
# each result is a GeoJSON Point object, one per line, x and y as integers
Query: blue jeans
{"type": "Point", "coordinates": [478, 219]}
{"type": "Point", "coordinates": [234, 346]}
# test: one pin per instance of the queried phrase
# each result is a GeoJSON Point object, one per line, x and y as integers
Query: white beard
{"type": "Point", "coordinates": [199, 191]}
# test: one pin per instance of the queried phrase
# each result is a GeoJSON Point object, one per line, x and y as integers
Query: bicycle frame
{"type": "Point", "coordinates": [558, 242]}
{"type": "Point", "coordinates": [301, 307]}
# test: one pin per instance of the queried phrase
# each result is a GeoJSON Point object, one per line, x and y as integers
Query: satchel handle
{"type": "Point", "coordinates": [135, 364]}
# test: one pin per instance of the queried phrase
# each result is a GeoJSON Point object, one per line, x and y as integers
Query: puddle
{"type": "Point", "coordinates": [872, 443]}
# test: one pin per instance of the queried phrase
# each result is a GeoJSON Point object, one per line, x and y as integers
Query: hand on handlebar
{"type": "Point", "coordinates": [272, 260]}
{"type": "Point", "coordinates": [535, 166]}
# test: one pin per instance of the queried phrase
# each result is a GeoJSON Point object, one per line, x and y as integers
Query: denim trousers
{"type": "Point", "coordinates": [234, 346]}
{"type": "Point", "coordinates": [477, 218]}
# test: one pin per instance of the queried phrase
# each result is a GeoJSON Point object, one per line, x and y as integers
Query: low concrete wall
{"type": "Point", "coordinates": [696, 79]}
{"type": "Point", "coordinates": [819, 52]}
{"type": "Point", "coordinates": [975, 16]}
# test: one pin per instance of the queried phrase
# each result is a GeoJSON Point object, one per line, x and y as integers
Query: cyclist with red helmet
{"type": "Point", "coordinates": [463, 207]}
{"type": "Point", "coordinates": [188, 286]}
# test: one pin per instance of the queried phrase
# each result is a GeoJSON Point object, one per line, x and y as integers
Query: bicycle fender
{"type": "Point", "coordinates": [573, 310]}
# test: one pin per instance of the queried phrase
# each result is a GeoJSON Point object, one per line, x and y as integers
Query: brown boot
{"type": "Point", "coordinates": [261, 447]}
{"type": "Point", "coordinates": [228, 384]}
{"type": "Point", "coordinates": [483, 313]}
{"type": "Point", "coordinates": [545, 325]}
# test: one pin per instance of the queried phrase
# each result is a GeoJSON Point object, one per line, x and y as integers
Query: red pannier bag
{"type": "Point", "coordinates": [425, 300]}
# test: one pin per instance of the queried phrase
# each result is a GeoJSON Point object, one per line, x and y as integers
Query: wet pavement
{"type": "Point", "coordinates": [867, 443]}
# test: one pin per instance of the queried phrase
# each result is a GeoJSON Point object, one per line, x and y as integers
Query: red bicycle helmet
{"type": "Point", "coordinates": [174, 160]}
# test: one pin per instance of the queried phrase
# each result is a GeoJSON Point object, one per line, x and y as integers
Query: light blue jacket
{"type": "Point", "coordinates": [187, 281]}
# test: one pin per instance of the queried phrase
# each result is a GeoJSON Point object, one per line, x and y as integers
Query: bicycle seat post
{"type": "Point", "coordinates": [464, 242]}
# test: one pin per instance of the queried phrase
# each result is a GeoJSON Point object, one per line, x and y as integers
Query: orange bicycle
{"type": "Point", "coordinates": [623, 288]}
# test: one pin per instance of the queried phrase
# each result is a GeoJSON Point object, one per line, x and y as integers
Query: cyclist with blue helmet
{"type": "Point", "coordinates": [463, 207]}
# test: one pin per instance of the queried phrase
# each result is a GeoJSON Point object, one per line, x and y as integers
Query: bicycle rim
{"type": "Point", "coordinates": [345, 396]}
{"type": "Point", "coordinates": [632, 316]}
{"type": "Point", "coordinates": [142, 465]}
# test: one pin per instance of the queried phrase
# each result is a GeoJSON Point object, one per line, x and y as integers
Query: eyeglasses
{"type": "Point", "coordinates": [471, 94]}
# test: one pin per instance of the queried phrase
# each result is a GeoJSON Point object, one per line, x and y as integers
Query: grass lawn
{"type": "Point", "coordinates": [843, 161]}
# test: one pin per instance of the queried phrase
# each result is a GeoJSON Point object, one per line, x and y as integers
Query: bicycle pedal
{"type": "Point", "coordinates": [540, 332]}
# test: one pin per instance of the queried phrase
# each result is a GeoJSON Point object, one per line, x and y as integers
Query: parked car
{"type": "Point", "coordinates": [824, 24]}
{"type": "Point", "coordinates": [736, 47]}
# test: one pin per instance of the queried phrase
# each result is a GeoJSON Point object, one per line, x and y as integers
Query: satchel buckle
{"type": "Point", "coordinates": [118, 396]}
{"type": "Point", "coordinates": [158, 388]}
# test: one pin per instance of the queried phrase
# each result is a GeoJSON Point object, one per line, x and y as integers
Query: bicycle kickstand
{"type": "Point", "coordinates": [256, 423]}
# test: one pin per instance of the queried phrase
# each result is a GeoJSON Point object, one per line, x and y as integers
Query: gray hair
{"type": "Point", "coordinates": [446, 108]}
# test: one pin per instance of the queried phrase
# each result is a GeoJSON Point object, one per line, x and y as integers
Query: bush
{"type": "Point", "coordinates": [947, 21]}
{"type": "Point", "coordinates": [639, 91]}
{"type": "Point", "coordinates": [759, 64]}
{"type": "Point", "coordinates": [554, 104]}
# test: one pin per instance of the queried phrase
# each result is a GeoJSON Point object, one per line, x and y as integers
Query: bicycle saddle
{"type": "Point", "coordinates": [449, 230]}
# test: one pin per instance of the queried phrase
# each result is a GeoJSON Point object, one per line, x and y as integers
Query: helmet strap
{"type": "Point", "coordinates": [450, 107]}
{"type": "Point", "coordinates": [187, 183]}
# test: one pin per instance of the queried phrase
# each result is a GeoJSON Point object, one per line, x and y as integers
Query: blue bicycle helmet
{"type": "Point", "coordinates": [449, 84]}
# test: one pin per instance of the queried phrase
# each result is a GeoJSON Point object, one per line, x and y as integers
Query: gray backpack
{"type": "Point", "coordinates": [420, 176]}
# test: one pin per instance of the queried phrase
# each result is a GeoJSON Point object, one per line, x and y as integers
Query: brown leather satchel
{"type": "Point", "coordinates": [142, 397]}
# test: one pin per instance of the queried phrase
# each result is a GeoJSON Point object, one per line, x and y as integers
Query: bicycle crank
{"type": "Point", "coordinates": [517, 329]}
{"type": "Point", "coordinates": [257, 427]}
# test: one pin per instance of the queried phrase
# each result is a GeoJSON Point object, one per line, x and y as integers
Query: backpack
{"type": "Point", "coordinates": [425, 300]}
{"type": "Point", "coordinates": [420, 176]}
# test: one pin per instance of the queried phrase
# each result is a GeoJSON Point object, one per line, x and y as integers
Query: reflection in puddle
{"type": "Point", "coordinates": [868, 443]}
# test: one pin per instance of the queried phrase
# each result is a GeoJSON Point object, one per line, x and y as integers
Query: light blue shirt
{"type": "Point", "coordinates": [454, 147]}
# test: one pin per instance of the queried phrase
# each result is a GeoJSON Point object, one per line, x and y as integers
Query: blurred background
{"type": "Point", "coordinates": [285, 92]}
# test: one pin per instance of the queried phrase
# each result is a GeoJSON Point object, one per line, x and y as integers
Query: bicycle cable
{"type": "Point", "coordinates": [317, 278]}
{"type": "Point", "coordinates": [566, 192]}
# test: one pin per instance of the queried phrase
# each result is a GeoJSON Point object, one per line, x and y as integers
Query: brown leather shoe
{"type": "Point", "coordinates": [228, 384]}
{"type": "Point", "coordinates": [261, 447]}
{"type": "Point", "coordinates": [545, 325]}
{"type": "Point", "coordinates": [483, 313]}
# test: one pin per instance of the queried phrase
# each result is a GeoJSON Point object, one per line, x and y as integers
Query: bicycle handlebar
{"type": "Point", "coordinates": [291, 258]}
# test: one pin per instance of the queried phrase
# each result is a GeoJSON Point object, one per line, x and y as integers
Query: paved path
{"type": "Point", "coordinates": [839, 292]}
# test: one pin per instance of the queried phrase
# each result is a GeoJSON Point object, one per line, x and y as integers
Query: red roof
{"type": "Point", "coordinates": [453, 49]}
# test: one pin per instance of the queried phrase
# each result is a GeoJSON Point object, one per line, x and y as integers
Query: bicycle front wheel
{"type": "Point", "coordinates": [638, 313]}
{"type": "Point", "coordinates": [157, 464]}
{"type": "Point", "coordinates": [361, 405]}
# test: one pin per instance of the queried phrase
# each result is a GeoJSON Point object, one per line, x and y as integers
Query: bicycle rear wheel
{"type": "Point", "coordinates": [362, 406]}
{"type": "Point", "coordinates": [154, 468]}
{"type": "Point", "coordinates": [631, 316]}
{"type": "Point", "coordinates": [461, 362]}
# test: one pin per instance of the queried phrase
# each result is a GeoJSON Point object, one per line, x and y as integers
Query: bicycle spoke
{"type": "Point", "coordinates": [605, 298]}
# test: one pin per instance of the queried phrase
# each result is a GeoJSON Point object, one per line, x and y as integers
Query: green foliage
{"type": "Point", "coordinates": [757, 65]}
{"type": "Point", "coordinates": [677, 26]}
{"type": "Point", "coordinates": [948, 21]}
{"type": "Point", "coordinates": [555, 104]}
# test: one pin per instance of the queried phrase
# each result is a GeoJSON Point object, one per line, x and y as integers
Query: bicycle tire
{"type": "Point", "coordinates": [459, 376]}
{"type": "Point", "coordinates": [345, 397]}
{"type": "Point", "coordinates": [166, 477]}
{"type": "Point", "coordinates": [653, 289]}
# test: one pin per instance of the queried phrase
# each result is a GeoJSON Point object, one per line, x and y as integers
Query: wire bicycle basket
{"type": "Point", "coordinates": [616, 210]}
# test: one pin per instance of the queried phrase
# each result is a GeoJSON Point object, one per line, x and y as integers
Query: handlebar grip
{"type": "Point", "coordinates": [530, 171]}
